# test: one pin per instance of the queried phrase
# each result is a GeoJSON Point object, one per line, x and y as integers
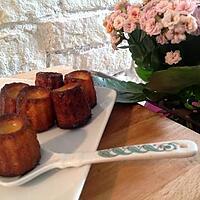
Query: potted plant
{"type": "Point", "coordinates": [163, 37]}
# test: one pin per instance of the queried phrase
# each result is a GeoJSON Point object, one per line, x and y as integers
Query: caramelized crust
{"type": "Point", "coordinates": [85, 79]}
{"type": "Point", "coordinates": [50, 80]}
{"type": "Point", "coordinates": [71, 107]}
{"type": "Point", "coordinates": [19, 147]}
{"type": "Point", "coordinates": [35, 103]}
{"type": "Point", "coordinates": [8, 97]}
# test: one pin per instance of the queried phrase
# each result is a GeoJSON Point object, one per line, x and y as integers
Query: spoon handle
{"type": "Point", "coordinates": [160, 150]}
{"type": "Point", "coordinates": [167, 149]}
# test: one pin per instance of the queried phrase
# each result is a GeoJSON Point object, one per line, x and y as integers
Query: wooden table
{"type": "Point", "coordinates": [173, 179]}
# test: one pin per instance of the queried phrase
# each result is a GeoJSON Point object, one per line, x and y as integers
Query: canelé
{"type": "Point", "coordinates": [50, 80]}
{"type": "Point", "coordinates": [85, 79]}
{"type": "Point", "coordinates": [71, 107]}
{"type": "Point", "coordinates": [8, 97]}
{"type": "Point", "coordinates": [35, 103]}
{"type": "Point", "coordinates": [19, 147]}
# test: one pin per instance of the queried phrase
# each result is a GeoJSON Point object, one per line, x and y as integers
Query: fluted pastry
{"type": "Point", "coordinates": [19, 147]}
{"type": "Point", "coordinates": [71, 107]}
{"type": "Point", "coordinates": [35, 103]}
{"type": "Point", "coordinates": [50, 80]}
{"type": "Point", "coordinates": [85, 79]}
{"type": "Point", "coordinates": [8, 97]}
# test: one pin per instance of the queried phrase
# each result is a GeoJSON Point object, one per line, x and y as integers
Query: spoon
{"type": "Point", "coordinates": [51, 160]}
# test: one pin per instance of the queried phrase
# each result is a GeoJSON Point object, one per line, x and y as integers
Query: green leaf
{"type": "Point", "coordinates": [127, 92]}
{"type": "Point", "coordinates": [145, 53]}
{"type": "Point", "coordinates": [123, 97]}
{"type": "Point", "coordinates": [136, 47]}
{"type": "Point", "coordinates": [143, 73]}
{"type": "Point", "coordinates": [174, 79]}
{"type": "Point", "coordinates": [154, 96]}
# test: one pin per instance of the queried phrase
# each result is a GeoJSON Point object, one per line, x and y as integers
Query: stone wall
{"type": "Point", "coordinates": [39, 34]}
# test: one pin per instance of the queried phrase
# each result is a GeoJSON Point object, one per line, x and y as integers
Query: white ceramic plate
{"type": "Point", "coordinates": [68, 183]}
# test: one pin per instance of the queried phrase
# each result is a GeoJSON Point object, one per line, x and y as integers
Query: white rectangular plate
{"type": "Point", "coordinates": [67, 183]}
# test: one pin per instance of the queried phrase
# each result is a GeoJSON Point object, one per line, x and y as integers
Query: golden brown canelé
{"type": "Point", "coordinates": [35, 103]}
{"type": "Point", "coordinates": [19, 147]}
{"type": "Point", "coordinates": [85, 79]}
{"type": "Point", "coordinates": [50, 80]}
{"type": "Point", "coordinates": [8, 97]}
{"type": "Point", "coordinates": [71, 107]}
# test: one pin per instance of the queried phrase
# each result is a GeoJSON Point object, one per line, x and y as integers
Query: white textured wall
{"type": "Point", "coordinates": [35, 34]}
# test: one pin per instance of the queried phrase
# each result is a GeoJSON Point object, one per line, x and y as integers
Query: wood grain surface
{"type": "Point", "coordinates": [169, 179]}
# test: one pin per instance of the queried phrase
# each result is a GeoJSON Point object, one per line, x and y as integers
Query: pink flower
{"type": "Point", "coordinates": [196, 104]}
{"type": "Point", "coordinates": [147, 20]}
{"type": "Point", "coordinates": [148, 13]}
{"type": "Point", "coordinates": [151, 5]}
{"type": "Point", "coordinates": [162, 6]}
{"type": "Point", "coordinates": [169, 35]}
{"type": "Point", "coordinates": [161, 39]}
{"type": "Point", "coordinates": [178, 37]}
{"type": "Point", "coordinates": [107, 23]}
{"type": "Point", "coordinates": [173, 57]}
{"type": "Point", "coordinates": [109, 27]}
{"type": "Point", "coordinates": [129, 26]}
{"type": "Point", "coordinates": [190, 23]}
{"type": "Point", "coordinates": [151, 13]}
{"type": "Point", "coordinates": [114, 15]}
{"type": "Point", "coordinates": [170, 19]}
{"type": "Point", "coordinates": [124, 15]}
{"type": "Point", "coordinates": [175, 37]}
{"type": "Point", "coordinates": [185, 6]}
{"type": "Point", "coordinates": [118, 22]}
{"type": "Point", "coordinates": [133, 13]}
{"type": "Point", "coordinates": [153, 27]}
{"type": "Point", "coordinates": [179, 28]}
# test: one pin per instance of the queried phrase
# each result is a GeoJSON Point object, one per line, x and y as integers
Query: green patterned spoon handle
{"type": "Point", "coordinates": [160, 150]}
